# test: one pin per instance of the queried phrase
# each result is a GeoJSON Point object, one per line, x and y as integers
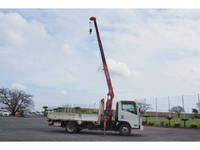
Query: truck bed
{"type": "Point", "coordinates": [64, 116]}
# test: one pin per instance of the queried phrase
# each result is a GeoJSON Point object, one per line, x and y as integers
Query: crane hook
{"type": "Point", "coordinates": [90, 30]}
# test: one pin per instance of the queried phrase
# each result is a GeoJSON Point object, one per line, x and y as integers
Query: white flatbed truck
{"type": "Point", "coordinates": [125, 119]}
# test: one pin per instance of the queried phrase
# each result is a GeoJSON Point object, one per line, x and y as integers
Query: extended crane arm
{"type": "Point", "coordinates": [105, 68]}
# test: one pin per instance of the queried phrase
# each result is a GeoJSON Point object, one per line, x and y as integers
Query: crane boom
{"type": "Point", "coordinates": [110, 95]}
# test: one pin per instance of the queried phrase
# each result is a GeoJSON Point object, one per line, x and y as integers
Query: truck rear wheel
{"type": "Point", "coordinates": [79, 130]}
{"type": "Point", "coordinates": [71, 127]}
{"type": "Point", "coordinates": [125, 130]}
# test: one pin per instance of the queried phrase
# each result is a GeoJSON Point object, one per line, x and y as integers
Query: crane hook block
{"type": "Point", "coordinates": [92, 18]}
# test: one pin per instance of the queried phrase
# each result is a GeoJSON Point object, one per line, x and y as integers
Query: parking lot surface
{"type": "Point", "coordinates": [37, 129]}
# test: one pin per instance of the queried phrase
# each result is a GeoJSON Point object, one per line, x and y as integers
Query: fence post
{"type": "Point", "coordinates": [169, 107]}
{"type": "Point", "coordinates": [145, 100]}
{"type": "Point", "coordinates": [183, 106]}
{"type": "Point", "coordinates": [156, 108]}
{"type": "Point", "coordinates": [198, 101]}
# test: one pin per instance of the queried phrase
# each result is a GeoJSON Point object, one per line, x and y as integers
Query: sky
{"type": "Point", "coordinates": [150, 53]}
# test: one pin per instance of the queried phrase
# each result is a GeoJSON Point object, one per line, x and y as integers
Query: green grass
{"type": "Point", "coordinates": [157, 122]}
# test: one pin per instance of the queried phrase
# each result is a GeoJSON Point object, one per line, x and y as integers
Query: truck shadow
{"type": "Point", "coordinates": [94, 132]}
{"type": "Point", "coordinates": [102, 133]}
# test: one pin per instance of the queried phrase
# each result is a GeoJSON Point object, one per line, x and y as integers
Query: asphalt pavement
{"type": "Point", "coordinates": [37, 129]}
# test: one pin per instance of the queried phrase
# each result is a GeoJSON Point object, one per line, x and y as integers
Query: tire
{"type": "Point", "coordinates": [71, 127]}
{"type": "Point", "coordinates": [124, 130]}
{"type": "Point", "coordinates": [79, 130]}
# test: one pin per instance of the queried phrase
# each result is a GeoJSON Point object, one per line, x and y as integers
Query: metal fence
{"type": "Point", "coordinates": [157, 104]}
{"type": "Point", "coordinates": [164, 104]}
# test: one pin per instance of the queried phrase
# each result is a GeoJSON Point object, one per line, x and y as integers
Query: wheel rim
{"type": "Point", "coordinates": [125, 130]}
{"type": "Point", "coordinates": [69, 129]}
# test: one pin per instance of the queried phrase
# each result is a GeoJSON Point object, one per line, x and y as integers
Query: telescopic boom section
{"type": "Point", "coordinates": [108, 111]}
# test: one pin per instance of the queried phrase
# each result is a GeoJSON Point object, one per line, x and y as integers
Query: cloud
{"type": "Point", "coordinates": [186, 71]}
{"type": "Point", "coordinates": [162, 32]}
{"type": "Point", "coordinates": [18, 86]}
{"type": "Point", "coordinates": [121, 69]}
{"type": "Point", "coordinates": [16, 31]}
{"type": "Point", "coordinates": [159, 47]}
{"type": "Point", "coordinates": [68, 49]}
{"type": "Point", "coordinates": [63, 92]}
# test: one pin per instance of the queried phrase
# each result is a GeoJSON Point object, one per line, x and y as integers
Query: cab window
{"type": "Point", "coordinates": [130, 107]}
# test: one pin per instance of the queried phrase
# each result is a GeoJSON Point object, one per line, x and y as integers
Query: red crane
{"type": "Point", "coordinates": [108, 111]}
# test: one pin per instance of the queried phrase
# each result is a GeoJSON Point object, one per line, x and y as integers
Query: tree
{"type": "Point", "coordinates": [15, 100]}
{"type": "Point", "coordinates": [144, 107]}
{"type": "Point", "coordinates": [45, 110]}
{"type": "Point", "coordinates": [177, 110]}
{"type": "Point", "coordinates": [194, 111]}
{"type": "Point", "coordinates": [169, 118]}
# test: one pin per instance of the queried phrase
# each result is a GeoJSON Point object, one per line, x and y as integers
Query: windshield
{"type": "Point", "coordinates": [129, 106]}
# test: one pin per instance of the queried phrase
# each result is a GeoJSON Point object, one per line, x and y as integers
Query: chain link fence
{"type": "Point", "coordinates": [164, 104]}
{"type": "Point", "coordinates": [157, 104]}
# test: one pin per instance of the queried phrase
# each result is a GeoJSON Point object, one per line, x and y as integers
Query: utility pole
{"type": "Point", "coordinates": [156, 108]}
{"type": "Point", "coordinates": [183, 105]}
{"type": "Point", "coordinates": [183, 102]}
{"type": "Point", "coordinates": [198, 101]}
{"type": "Point", "coordinates": [169, 107]}
{"type": "Point", "coordinates": [145, 101]}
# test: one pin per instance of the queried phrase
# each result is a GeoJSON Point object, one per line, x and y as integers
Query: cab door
{"type": "Point", "coordinates": [128, 112]}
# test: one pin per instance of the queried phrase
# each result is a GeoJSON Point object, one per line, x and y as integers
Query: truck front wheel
{"type": "Point", "coordinates": [71, 127]}
{"type": "Point", "coordinates": [125, 130]}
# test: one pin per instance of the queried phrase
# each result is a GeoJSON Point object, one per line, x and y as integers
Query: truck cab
{"type": "Point", "coordinates": [128, 116]}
